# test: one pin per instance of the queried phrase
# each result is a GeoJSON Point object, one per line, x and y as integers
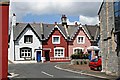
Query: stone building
{"type": "Point", "coordinates": [108, 40]}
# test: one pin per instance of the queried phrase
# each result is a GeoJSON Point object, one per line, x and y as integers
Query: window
{"type": "Point", "coordinates": [58, 52]}
{"type": "Point", "coordinates": [28, 39]}
{"type": "Point", "coordinates": [117, 14]}
{"type": "Point", "coordinates": [56, 39]}
{"type": "Point", "coordinates": [25, 53]}
{"type": "Point", "coordinates": [78, 50]}
{"type": "Point", "coordinates": [80, 39]}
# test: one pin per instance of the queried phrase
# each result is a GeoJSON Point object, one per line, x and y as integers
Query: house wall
{"type": "Point", "coordinates": [73, 44]}
{"type": "Point", "coordinates": [20, 44]}
{"type": "Point", "coordinates": [51, 46]}
{"type": "Point", "coordinates": [108, 46]}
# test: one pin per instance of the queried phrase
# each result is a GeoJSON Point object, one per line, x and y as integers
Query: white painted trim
{"type": "Point", "coordinates": [63, 52]}
{"type": "Point", "coordinates": [83, 40]}
{"type": "Point", "coordinates": [83, 30]}
{"type": "Point", "coordinates": [77, 48]}
{"type": "Point", "coordinates": [58, 40]}
{"type": "Point", "coordinates": [59, 30]}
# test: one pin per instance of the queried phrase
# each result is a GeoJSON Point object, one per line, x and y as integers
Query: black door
{"type": "Point", "coordinates": [47, 57]}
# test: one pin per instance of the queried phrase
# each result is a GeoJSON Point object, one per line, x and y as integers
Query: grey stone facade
{"type": "Point", "coordinates": [107, 39]}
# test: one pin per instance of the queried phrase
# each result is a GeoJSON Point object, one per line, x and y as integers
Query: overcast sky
{"type": "Point", "coordinates": [50, 11]}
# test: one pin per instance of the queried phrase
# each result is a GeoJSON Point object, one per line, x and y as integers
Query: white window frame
{"type": "Point", "coordinates": [25, 53]}
{"type": "Point", "coordinates": [53, 39]}
{"type": "Point", "coordinates": [78, 48]}
{"type": "Point", "coordinates": [83, 40]}
{"type": "Point", "coordinates": [63, 52]}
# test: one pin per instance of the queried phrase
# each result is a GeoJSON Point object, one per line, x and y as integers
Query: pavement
{"type": "Point", "coordinates": [85, 70]}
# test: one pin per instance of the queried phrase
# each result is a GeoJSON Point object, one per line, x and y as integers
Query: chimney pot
{"type": "Point", "coordinates": [14, 14]}
{"type": "Point", "coordinates": [55, 23]}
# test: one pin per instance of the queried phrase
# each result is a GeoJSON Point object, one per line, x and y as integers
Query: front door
{"type": "Point", "coordinates": [38, 56]}
{"type": "Point", "coordinates": [47, 57]}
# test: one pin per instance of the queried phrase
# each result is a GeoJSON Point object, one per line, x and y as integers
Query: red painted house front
{"type": "Point", "coordinates": [54, 51]}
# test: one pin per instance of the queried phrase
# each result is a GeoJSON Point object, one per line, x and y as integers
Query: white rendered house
{"type": "Point", "coordinates": [25, 42]}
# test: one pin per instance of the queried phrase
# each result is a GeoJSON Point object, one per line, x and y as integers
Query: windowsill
{"type": "Point", "coordinates": [58, 56]}
{"type": "Point", "coordinates": [81, 43]}
{"type": "Point", "coordinates": [28, 43]}
{"type": "Point", "coordinates": [55, 43]}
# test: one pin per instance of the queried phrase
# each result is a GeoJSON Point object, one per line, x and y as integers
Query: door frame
{"type": "Point", "coordinates": [48, 54]}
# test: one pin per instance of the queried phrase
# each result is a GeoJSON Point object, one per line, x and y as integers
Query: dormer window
{"type": "Point", "coordinates": [56, 39]}
{"type": "Point", "coordinates": [81, 39]}
{"type": "Point", "coordinates": [28, 39]}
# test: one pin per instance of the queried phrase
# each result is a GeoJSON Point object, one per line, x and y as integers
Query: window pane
{"type": "Point", "coordinates": [28, 50]}
{"type": "Point", "coordinates": [22, 54]}
{"type": "Point", "coordinates": [22, 50]}
{"type": "Point", "coordinates": [25, 54]}
{"type": "Point", "coordinates": [56, 39]}
{"type": "Point", "coordinates": [58, 52]}
{"type": "Point", "coordinates": [25, 50]}
{"type": "Point", "coordinates": [119, 5]}
{"type": "Point", "coordinates": [116, 6]}
{"type": "Point", "coordinates": [28, 54]}
{"type": "Point", "coordinates": [81, 39]}
{"type": "Point", "coordinates": [28, 38]}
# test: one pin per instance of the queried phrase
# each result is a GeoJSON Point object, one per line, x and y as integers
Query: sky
{"type": "Point", "coordinates": [50, 11]}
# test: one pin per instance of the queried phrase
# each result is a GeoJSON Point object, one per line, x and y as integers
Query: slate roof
{"type": "Point", "coordinates": [20, 27]}
{"type": "Point", "coordinates": [17, 30]}
{"type": "Point", "coordinates": [72, 29]}
{"type": "Point", "coordinates": [92, 31]}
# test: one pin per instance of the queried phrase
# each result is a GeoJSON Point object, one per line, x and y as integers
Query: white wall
{"type": "Point", "coordinates": [35, 45]}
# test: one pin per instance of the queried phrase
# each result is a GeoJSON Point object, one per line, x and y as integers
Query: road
{"type": "Point", "coordinates": [43, 71]}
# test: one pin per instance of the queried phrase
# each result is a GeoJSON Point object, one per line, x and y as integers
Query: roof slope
{"type": "Point", "coordinates": [20, 27]}
{"type": "Point", "coordinates": [92, 31]}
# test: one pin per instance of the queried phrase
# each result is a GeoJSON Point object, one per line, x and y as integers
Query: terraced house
{"type": "Point", "coordinates": [50, 42]}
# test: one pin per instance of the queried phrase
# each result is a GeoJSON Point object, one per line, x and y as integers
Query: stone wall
{"type": "Point", "coordinates": [107, 45]}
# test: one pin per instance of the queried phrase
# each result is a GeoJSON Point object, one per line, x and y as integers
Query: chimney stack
{"type": "Point", "coordinates": [14, 20]}
{"type": "Point", "coordinates": [76, 24]}
{"type": "Point", "coordinates": [64, 20]}
{"type": "Point", "coordinates": [55, 23]}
